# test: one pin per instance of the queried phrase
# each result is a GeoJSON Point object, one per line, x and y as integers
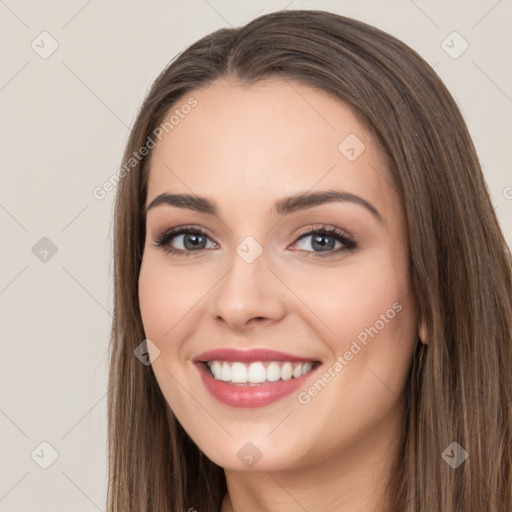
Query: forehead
{"type": "Point", "coordinates": [263, 141]}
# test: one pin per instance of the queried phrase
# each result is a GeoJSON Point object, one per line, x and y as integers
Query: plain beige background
{"type": "Point", "coordinates": [64, 122]}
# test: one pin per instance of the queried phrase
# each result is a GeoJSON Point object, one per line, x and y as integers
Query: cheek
{"type": "Point", "coordinates": [156, 303]}
{"type": "Point", "coordinates": [375, 325]}
{"type": "Point", "coordinates": [370, 314]}
{"type": "Point", "coordinates": [370, 310]}
{"type": "Point", "coordinates": [166, 297]}
{"type": "Point", "coordinates": [355, 298]}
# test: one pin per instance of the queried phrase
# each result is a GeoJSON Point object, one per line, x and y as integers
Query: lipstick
{"type": "Point", "coordinates": [227, 389]}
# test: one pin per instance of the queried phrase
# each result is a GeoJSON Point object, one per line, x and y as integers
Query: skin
{"type": "Point", "coordinates": [244, 147]}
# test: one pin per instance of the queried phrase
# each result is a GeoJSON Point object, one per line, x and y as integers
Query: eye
{"type": "Point", "coordinates": [192, 240]}
{"type": "Point", "coordinates": [324, 241]}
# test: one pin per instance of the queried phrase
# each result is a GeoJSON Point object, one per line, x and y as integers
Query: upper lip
{"type": "Point", "coordinates": [248, 356]}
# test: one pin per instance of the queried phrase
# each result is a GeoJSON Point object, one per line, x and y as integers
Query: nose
{"type": "Point", "coordinates": [249, 294]}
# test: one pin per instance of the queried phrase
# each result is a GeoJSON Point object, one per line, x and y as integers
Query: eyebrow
{"type": "Point", "coordinates": [283, 206]}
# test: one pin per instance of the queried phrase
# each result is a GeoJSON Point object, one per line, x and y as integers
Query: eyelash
{"type": "Point", "coordinates": [163, 241]}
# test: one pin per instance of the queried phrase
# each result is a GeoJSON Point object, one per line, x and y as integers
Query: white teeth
{"type": "Point", "coordinates": [273, 372]}
{"type": "Point", "coordinates": [258, 372]}
{"type": "Point", "coordinates": [216, 369]}
{"type": "Point", "coordinates": [226, 372]}
{"type": "Point", "coordinates": [307, 367]}
{"type": "Point", "coordinates": [238, 373]}
{"type": "Point", "coordinates": [286, 371]}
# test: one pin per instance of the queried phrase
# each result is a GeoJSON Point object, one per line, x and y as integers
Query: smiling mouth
{"type": "Point", "coordinates": [258, 372]}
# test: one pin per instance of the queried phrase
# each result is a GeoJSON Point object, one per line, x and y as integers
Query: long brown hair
{"type": "Point", "coordinates": [460, 383]}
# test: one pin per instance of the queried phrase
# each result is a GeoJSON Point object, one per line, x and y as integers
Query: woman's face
{"type": "Point", "coordinates": [337, 306]}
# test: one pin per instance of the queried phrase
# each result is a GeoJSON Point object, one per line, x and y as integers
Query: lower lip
{"type": "Point", "coordinates": [248, 396]}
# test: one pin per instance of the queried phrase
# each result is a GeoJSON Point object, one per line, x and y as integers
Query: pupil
{"type": "Point", "coordinates": [195, 239]}
{"type": "Point", "coordinates": [317, 239]}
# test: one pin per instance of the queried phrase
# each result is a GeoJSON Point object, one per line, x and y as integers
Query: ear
{"type": "Point", "coordinates": [423, 334]}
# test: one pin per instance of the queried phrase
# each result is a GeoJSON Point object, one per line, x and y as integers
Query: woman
{"type": "Point", "coordinates": [308, 265]}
